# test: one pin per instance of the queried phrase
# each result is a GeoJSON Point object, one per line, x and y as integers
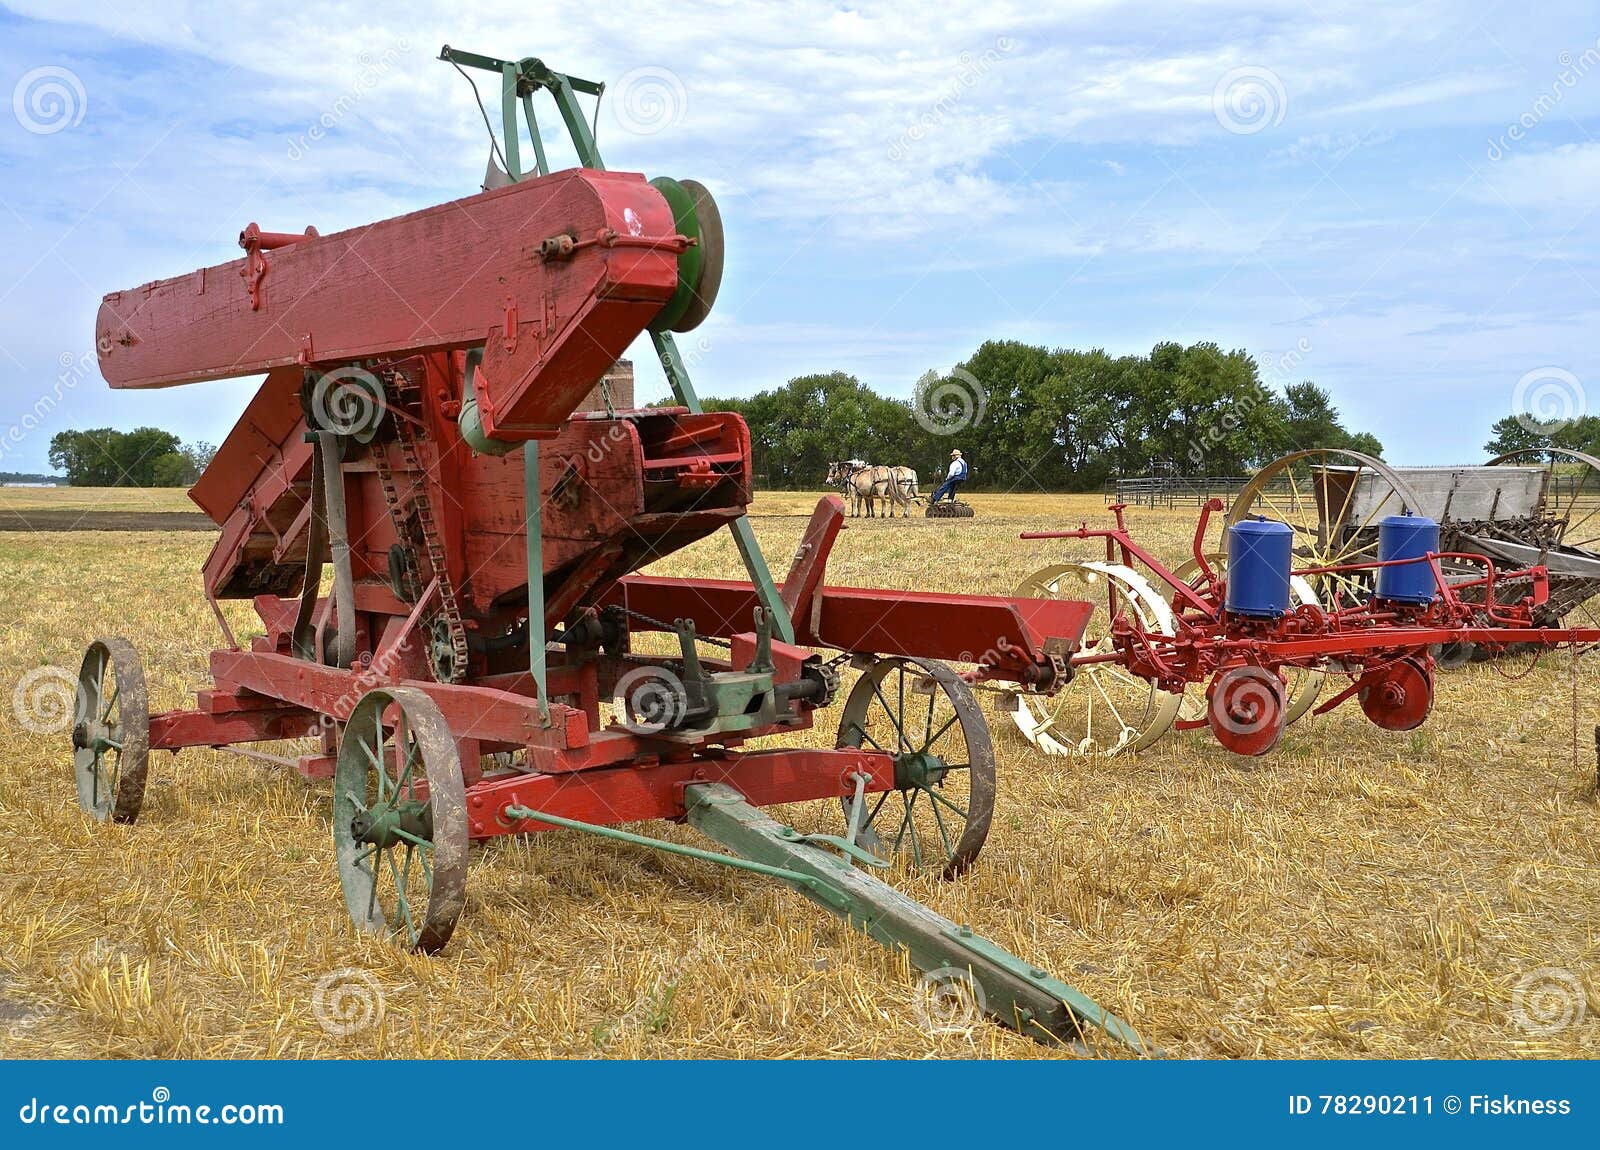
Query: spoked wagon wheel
{"type": "Point", "coordinates": [924, 714]}
{"type": "Point", "coordinates": [1571, 502]}
{"type": "Point", "coordinates": [1332, 500]}
{"type": "Point", "coordinates": [1107, 710]}
{"type": "Point", "coordinates": [1304, 683]}
{"type": "Point", "coordinates": [111, 731]}
{"type": "Point", "coordinates": [400, 819]}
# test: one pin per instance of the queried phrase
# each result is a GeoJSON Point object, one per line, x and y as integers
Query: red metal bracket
{"type": "Point", "coordinates": [256, 243]}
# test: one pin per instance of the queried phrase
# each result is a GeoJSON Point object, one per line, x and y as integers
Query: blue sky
{"type": "Point", "coordinates": [1336, 188]}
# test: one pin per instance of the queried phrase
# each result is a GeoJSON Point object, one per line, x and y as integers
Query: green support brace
{"type": "Point", "coordinates": [755, 563]}
{"type": "Point", "coordinates": [534, 526]}
{"type": "Point", "coordinates": [510, 144]}
{"type": "Point", "coordinates": [1013, 992]}
{"type": "Point", "coordinates": [541, 164]}
{"type": "Point", "coordinates": [518, 81]}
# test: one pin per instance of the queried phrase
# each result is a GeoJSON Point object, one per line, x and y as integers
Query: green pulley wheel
{"type": "Point", "coordinates": [695, 215]}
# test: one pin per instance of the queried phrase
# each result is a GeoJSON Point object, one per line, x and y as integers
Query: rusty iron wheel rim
{"type": "Point", "coordinates": [879, 715]}
{"type": "Point", "coordinates": [398, 804]}
{"type": "Point", "coordinates": [111, 731]}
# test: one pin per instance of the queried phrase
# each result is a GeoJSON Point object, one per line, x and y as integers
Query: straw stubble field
{"type": "Point", "coordinates": [1356, 894]}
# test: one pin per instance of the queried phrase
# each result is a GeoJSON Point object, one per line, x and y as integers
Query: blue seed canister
{"type": "Point", "coordinates": [1407, 537]}
{"type": "Point", "coordinates": [1260, 557]}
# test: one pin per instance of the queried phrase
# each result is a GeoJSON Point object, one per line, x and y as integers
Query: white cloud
{"type": "Point", "coordinates": [897, 184]}
{"type": "Point", "coordinates": [1561, 178]}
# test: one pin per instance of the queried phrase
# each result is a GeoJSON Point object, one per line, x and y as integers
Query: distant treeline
{"type": "Point", "coordinates": [1527, 433]}
{"type": "Point", "coordinates": [26, 477]}
{"type": "Point", "coordinates": [1030, 418]}
{"type": "Point", "coordinates": [143, 457]}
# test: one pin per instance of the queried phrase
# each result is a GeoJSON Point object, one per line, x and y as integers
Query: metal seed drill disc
{"type": "Point", "coordinates": [685, 220]}
{"type": "Point", "coordinates": [1398, 697]}
{"type": "Point", "coordinates": [709, 219]}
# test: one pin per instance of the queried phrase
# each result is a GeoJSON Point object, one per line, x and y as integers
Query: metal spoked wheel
{"type": "Point", "coordinates": [1107, 710]}
{"type": "Point", "coordinates": [1332, 500]}
{"type": "Point", "coordinates": [925, 715]}
{"type": "Point", "coordinates": [111, 731]}
{"type": "Point", "coordinates": [1571, 497]}
{"type": "Point", "coordinates": [400, 819]}
{"type": "Point", "coordinates": [1304, 683]}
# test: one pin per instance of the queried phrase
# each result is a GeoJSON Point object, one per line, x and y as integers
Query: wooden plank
{"type": "Point", "coordinates": [460, 274]}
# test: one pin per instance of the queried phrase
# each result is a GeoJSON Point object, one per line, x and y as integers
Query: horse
{"type": "Point", "coordinates": [905, 487]}
{"type": "Point", "coordinates": [863, 483]}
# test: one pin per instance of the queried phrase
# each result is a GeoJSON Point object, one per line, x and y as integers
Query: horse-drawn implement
{"type": "Point", "coordinates": [1244, 641]}
{"type": "Point", "coordinates": [1535, 508]}
{"type": "Point", "coordinates": [418, 432]}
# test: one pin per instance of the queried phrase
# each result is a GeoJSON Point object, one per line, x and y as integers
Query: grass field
{"type": "Point", "coordinates": [1356, 894]}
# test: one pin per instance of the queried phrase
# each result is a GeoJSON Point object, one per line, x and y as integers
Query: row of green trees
{"type": "Point", "coordinates": [144, 457]}
{"type": "Point", "coordinates": [1524, 433]}
{"type": "Point", "coordinates": [1026, 418]}
{"type": "Point", "coordinates": [1033, 418]}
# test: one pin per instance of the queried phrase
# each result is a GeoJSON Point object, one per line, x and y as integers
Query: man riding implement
{"type": "Point", "coordinates": [954, 478]}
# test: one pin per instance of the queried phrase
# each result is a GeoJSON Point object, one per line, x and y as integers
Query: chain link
{"type": "Point", "coordinates": [661, 625]}
{"type": "Point", "coordinates": [449, 604]}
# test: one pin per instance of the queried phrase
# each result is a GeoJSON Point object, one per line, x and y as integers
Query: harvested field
{"type": "Point", "coordinates": [1356, 894]}
{"type": "Point", "coordinates": [54, 509]}
{"type": "Point", "coordinates": [57, 521]}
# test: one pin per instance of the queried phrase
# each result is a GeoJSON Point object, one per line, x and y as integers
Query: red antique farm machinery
{"type": "Point", "coordinates": [1186, 648]}
{"type": "Point", "coordinates": [419, 431]}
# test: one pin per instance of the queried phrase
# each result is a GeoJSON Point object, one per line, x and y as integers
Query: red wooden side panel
{"type": "Point", "coordinates": [272, 417]}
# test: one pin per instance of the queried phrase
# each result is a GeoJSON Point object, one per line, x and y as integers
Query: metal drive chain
{"type": "Point", "coordinates": [661, 625]}
{"type": "Point", "coordinates": [449, 604]}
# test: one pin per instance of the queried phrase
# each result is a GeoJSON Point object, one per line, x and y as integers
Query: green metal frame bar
{"type": "Point", "coordinates": [1015, 993]}
{"type": "Point", "coordinates": [815, 887]}
{"type": "Point", "coordinates": [534, 528]}
{"type": "Point", "coordinates": [744, 536]}
{"type": "Point", "coordinates": [519, 80]}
